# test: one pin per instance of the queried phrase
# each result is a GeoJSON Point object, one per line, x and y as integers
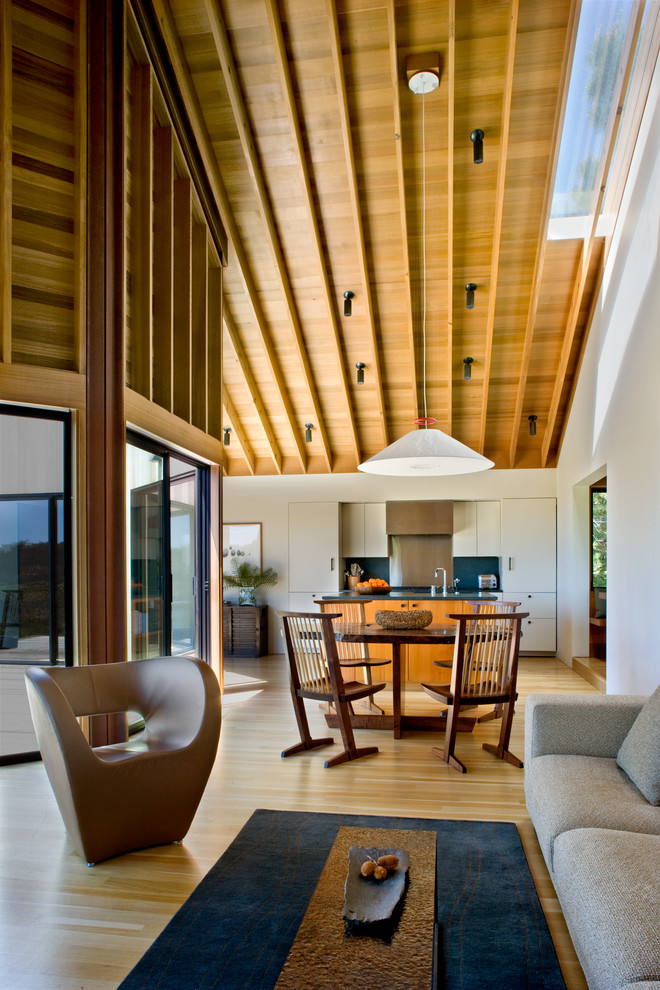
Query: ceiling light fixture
{"type": "Point", "coordinates": [477, 138]}
{"type": "Point", "coordinates": [467, 370]}
{"type": "Point", "coordinates": [424, 451]}
{"type": "Point", "coordinates": [348, 307]}
{"type": "Point", "coordinates": [532, 425]}
{"type": "Point", "coordinates": [308, 432]}
{"type": "Point", "coordinates": [227, 438]}
{"type": "Point", "coordinates": [360, 372]}
{"type": "Point", "coordinates": [470, 288]}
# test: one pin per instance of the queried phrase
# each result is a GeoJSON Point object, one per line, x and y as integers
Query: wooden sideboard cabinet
{"type": "Point", "coordinates": [244, 630]}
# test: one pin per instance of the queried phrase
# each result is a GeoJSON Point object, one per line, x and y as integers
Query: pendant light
{"type": "Point", "coordinates": [425, 451]}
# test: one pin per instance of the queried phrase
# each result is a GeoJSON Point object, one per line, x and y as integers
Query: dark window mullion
{"type": "Point", "coordinates": [52, 580]}
{"type": "Point", "coordinates": [167, 556]}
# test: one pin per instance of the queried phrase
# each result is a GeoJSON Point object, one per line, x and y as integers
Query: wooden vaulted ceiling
{"type": "Point", "coordinates": [313, 144]}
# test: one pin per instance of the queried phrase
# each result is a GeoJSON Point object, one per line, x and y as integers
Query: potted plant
{"type": "Point", "coordinates": [247, 578]}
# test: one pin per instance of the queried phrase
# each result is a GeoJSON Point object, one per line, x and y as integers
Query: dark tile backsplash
{"type": "Point", "coordinates": [468, 569]}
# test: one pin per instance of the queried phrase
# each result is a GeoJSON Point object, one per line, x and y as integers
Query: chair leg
{"type": "Point", "coordinates": [447, 754]}
{"type": "Point", "coordinates": [351, 752]}
{"type": "Point", "coordinates": [502, 748]}
{"type": "Point", "coordinates": [306, 741]}
{"type": "Point", "coordinates": [496, 713]}
{"type": "Point", "coordinates": [369, 703]}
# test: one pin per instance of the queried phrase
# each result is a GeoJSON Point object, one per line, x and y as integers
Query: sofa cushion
{"type": "Point", "coordinates": [639, 754]}
{"type": "Point", "coordinates": [608, 885]}
{"type": "Point", "coordinates": [567, 792]}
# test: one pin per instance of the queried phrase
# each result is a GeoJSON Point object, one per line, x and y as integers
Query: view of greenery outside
{"type": "Point", "coordinates": [599, 539]}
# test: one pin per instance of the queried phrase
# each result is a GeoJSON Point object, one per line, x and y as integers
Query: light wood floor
{"type": "Point", "coordinates": [65, 926]}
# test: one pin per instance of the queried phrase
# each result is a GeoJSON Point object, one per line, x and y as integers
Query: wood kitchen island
{"type": "Point", "coordinates": [417, 660]}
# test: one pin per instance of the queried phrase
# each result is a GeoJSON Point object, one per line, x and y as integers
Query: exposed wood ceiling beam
{"type": "Point", "coordinates": [345, 123]}
{"type": "Point", "coordinates": [244, 128]}
{"type": "Point", "coordinates": [253, 390]}
{"type": "Point", "coordinates": [239, 432]}
{"type": "Point", "coordinates": [282, 63]}
{"type": "Point", "coordinates": [196, 117]}
{"type": "Point", "coordinates": [609, 143]}
{"type": "Point", "coordinates": [542, 241]}
{"type": "Point", "coordinates": [401, 182]}
{"type": "Point", "coordinates": [499, 210]}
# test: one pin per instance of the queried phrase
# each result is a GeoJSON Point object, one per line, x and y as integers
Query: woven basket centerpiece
{"type": "Point", "coordinates": [418, 619]}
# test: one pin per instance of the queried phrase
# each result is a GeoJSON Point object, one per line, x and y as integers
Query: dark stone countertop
{"type": "Point", "coordinates": [397, 594]}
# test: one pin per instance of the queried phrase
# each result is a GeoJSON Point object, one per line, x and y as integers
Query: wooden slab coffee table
{"type": "Point", "coordinates": [327, 953]}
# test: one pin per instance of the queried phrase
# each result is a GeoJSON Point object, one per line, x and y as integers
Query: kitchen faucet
{"type": "Point", "coordinates": [434, 589]}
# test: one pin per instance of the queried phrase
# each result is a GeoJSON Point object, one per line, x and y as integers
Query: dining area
{"type": "Point", "coordinates": [345, 655]}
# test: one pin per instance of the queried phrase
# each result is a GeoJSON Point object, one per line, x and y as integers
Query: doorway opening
{"type": "Point", "coordinates": [598, 572]}
{"type": "Point", "coordinates": [168, 551]}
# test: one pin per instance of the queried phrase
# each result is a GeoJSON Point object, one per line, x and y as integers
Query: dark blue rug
{"type": "Point", "coordinates": [235, 930]}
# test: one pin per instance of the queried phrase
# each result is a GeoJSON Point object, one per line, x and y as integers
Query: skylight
{"type": "Point", "coordinates": [599, 42]}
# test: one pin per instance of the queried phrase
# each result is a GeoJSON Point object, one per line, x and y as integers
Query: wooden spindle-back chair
{"type": "Point", "coordinates": [316, 674]}
{"type": "Point", "coordinates": [356, 654]}
{"type": "Point", "coordinates": [484, 671]}
{"type": "Point", "coordinates": [488, 608]}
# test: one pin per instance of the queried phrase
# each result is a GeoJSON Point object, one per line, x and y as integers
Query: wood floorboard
{"type": "Point", "coordinates": [69, 927]}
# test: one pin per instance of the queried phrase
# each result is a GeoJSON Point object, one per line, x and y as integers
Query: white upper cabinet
{"type": "Point", "coordinates": [529, 544]}
{"type": "Point", "coordinates": [314, 544]}
{"type": "Point", "coordinates": [363, 529]}
{"type": "Point", "coordinates": [476, 529]}
{"type": "Point", "coordinates": [464, 540]}
{"type": "Point", "coordinates": [489, 541]}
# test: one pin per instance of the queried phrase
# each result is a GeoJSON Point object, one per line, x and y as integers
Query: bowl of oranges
{"type": "Point", "coordinates": [374, 586]}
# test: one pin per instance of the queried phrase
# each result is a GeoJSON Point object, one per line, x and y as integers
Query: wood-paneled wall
{"type": "Point", "coordinates": [157, 290]}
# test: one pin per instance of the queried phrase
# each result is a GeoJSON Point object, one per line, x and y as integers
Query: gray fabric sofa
{"type": "Point", "coordinates": [599, 834]}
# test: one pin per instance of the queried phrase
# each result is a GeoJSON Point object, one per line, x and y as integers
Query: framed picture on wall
{"type": "Point", "coordinates": [241, 542]}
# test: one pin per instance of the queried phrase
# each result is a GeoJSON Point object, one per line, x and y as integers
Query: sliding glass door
{"type": "Point", "coordinates": [167, 552]}
{"type": "Point", "coordinates": [36, 612]}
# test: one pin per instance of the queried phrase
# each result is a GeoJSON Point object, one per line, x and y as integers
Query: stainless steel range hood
{"type": "Point", "coordinates": [431, 518]}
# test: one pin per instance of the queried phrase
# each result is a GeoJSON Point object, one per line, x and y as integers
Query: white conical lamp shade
{"type": "Point", "coordinates": [426, 452]}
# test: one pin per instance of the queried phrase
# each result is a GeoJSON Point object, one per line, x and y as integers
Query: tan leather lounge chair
{"type": "Point", "coordinates": [139, 793]}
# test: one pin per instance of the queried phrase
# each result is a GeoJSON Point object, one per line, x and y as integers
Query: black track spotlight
{"type": "Point", "coordinates": [227, 437]}
{"type": "Point", "coordinates": [308, 432]}
{"type": "Point", "coordinates": [532, 425]}
{"type": "Point", "coordinates": [477, 138]}
{"type": "Point", "coordinates": [360, 372]}
{"type": "Point", "coordinates": [467, 369]}
{"type": "Point", "coordinates": [348, 307]}
{"type": "Point", "coordinates": [470, 288]}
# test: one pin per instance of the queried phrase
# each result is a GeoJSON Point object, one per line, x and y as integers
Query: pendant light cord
{"type": "Point", "coordinates": [424, 258]}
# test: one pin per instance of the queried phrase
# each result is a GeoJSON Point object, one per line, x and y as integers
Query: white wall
{"type": "Point", "coordinates": [614, 429]}
{"type": "Point", "coordinates": [31, 455]}
{"type": "Point", "coordinates": [266, 500]}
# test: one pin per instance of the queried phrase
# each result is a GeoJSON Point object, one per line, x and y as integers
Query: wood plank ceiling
{"type": "Point", "coordinates": [313, 143]}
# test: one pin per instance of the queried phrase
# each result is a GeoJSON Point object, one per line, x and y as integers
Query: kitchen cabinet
{"type": "Point", "coordinates": [314, 544]}
{"type": "Point", "coordinates": [539, 629]}
{"type": "Point", "coordinates": [305, 601]}
{"type": "Point", "coordinates": [363, 529]}
{"type": "Point", "coordinates": [489, 541]}
{"type": "Point", "coordinates": [529, 545]}
{"type": "Point", "coordinates": [476, 529]}
{"type": "Point", "coordinates": [416, 661]}
{"type": "Point", "coordinates": [419, 661]}
{"type": "Point", "coordinates": [529, 569]}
